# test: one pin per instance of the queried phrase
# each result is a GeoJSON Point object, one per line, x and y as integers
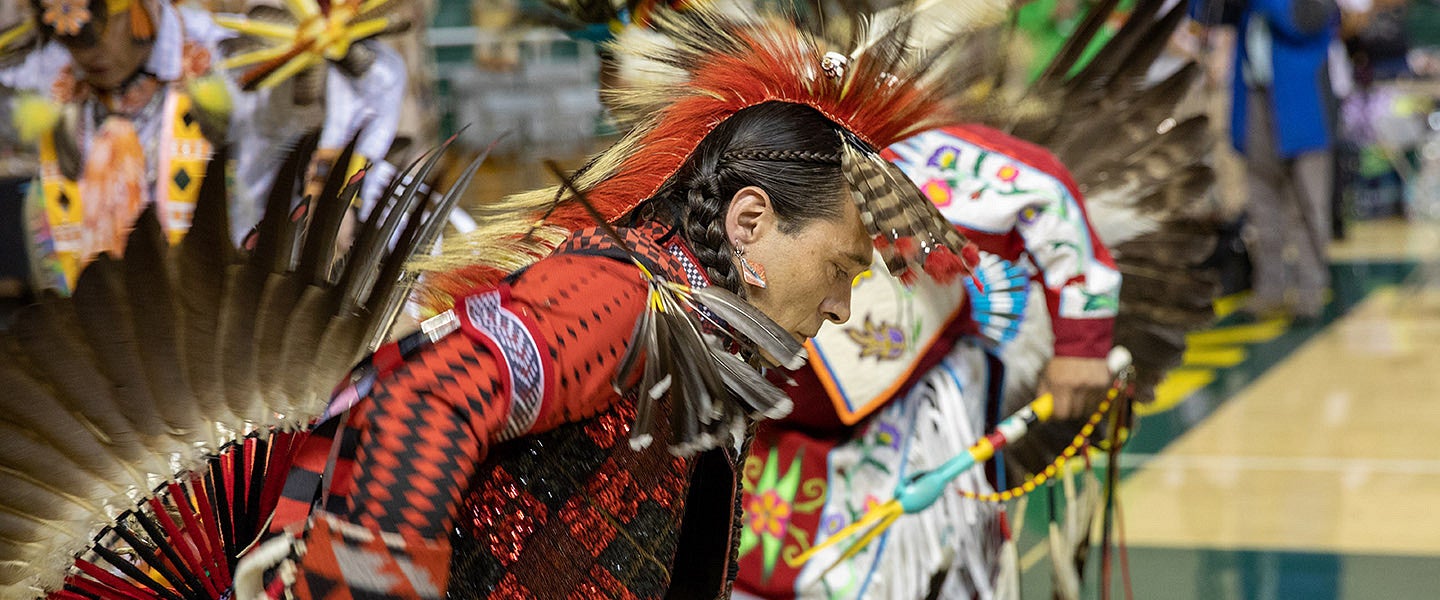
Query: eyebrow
{"type": "Point", "coordinates": [859, 260]}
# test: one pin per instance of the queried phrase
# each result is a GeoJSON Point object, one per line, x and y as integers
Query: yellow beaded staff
{"type": "Point", "coordinates": [1080, 441]}
{"type": "Point", "coordinates": [921, 490]}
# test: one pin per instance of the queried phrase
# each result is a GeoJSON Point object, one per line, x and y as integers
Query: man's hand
{"type": "Point", "coordinates": [1075, 382]}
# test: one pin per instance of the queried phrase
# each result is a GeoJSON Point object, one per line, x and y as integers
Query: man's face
{"type": "Point", "coordinates": [113, 58]}
{"type": "Point", "coordinates": [809, 271]}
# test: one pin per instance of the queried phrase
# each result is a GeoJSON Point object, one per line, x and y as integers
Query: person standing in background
{"type": "Point", "coordinates": [1281, 123]}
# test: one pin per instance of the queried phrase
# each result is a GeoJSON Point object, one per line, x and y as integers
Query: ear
{"type": "Point", "coordinates": [750, 215]}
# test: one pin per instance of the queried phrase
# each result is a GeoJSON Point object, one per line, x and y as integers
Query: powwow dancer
{"type": "Point", "coordinates": [941, 352]}
{"type": "Point", "coordinates": [510, 400]}
{"type": "Point", "coordinates": [126, 99]}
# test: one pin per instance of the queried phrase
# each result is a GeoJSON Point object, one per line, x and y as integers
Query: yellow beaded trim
{"type": "Point", "coordinates": [1051, 470]}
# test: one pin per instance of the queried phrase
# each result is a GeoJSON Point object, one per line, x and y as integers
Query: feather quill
{"type": "Point", "coordinates": [372, 241]}
{"type": "Point", "coordinates": [770, 338]}
{"type": "Point", "coordinates": [761, 398]}
{"type": "Point", "coordinates": [388, 280]}
{"type": "Point", "coordinates": [394, 289]}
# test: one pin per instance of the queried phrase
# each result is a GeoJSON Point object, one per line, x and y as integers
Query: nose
{"type": "Point", "coordinates": [836, 307]}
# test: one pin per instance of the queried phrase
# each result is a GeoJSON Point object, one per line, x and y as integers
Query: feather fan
{"type": "Point", "coordinates": [1143, 170]}
{"type": "Point", "coordinates": [137, 458]}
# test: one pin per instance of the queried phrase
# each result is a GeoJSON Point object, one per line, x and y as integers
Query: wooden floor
{"type": "Point", "coordinates": [1302, 462]}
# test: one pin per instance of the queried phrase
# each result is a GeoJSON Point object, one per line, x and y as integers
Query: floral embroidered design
{"type": "Point", "coordinates": [769, 513]}
{"type": "Point", "coordinates": [1008, 173]}
{"type": "Point", "coordinates": [66, 17]}
{"type": "Point", "coordinates": [938, 191]}
{"type": "Point", "coordinates": [889, 435]}
{"type": "Point", "coordinates": [770, 506]}
{"type": "Point", "coordinates": [944, 157]}
{"type": "Point", "coordinates": [882, 341]}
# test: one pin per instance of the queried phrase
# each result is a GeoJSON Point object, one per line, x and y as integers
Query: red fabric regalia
{"type": "Point", "coordinates": [499, 464]}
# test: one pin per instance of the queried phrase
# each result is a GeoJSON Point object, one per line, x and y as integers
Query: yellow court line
{"type": "Point", "coordinates": [1225, 305]}
{"type": "Point", "coordinates": [1214, 357]}
{"type": "Point", "coordinates": [1250, 333]}
{"type": "Point", "coordinates": [1174, 389]}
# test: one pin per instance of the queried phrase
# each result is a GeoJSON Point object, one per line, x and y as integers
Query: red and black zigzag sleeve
{"type": "Point", "coordinates": [428, 424]}
{"type": "Point", "coordinates": [423, 429]}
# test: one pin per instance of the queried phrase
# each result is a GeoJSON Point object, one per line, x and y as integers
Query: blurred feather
{"type": "Point", "coordinates": [200, 286]}
{"type": "Point", "coordinates": [752, 326]}
{"type": "Point", "coordinates": [1059, 68]}
{"type": "Point", "coordinates": [1147, 185]}
{"type": "Point", "coordinates": [327, 213]}
{"type": "Point", "coordinates": [48, 346]}
{"type": "Point", "coordinates": [103, 316]}
{"type": "Point", "coordinates": [45, 426]}
{"type": "Point", "coordinates": [148, 288]}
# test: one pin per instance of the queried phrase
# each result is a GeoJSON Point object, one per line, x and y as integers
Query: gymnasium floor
{"type": "Point", "coordinates": [1295, 462]}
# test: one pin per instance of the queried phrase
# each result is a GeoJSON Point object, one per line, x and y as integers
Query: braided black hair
{"type": "Point", "coordinates": [789, 150]}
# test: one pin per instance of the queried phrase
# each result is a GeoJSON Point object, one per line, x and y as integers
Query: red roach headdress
{"type": "Point", "coordinates": [690, 70]}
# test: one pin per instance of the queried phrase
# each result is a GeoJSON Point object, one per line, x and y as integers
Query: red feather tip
{"type": "Point", "coordinates": [908, 277]}
{"type": "Point", "coordinates": [881, 242]}
{"type": "Point", "coordinates": [971, 255]}
{"type": "Point", "coordinates": [360, 174]}
{"type": "Point", "coordinates": [906, 247]}
{"type": "Point", "coordinates": [942, 265]}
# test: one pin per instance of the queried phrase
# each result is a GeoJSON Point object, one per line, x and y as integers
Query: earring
{"type": "Point", "coordinates": [752, 273]}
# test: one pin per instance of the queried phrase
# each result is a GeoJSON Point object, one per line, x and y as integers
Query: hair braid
{"type": "Point", "coordinates": [803, 156]}
{"type": "Point", "coordinates": [704, 224]}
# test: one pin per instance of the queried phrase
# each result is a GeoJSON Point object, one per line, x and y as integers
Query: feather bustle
{"type": "Point", "coordinates": [148, 288]}
{"type": "Point", "coordinates": [103, 316]}
{"type": "Point", "coordinates": [200, 262]}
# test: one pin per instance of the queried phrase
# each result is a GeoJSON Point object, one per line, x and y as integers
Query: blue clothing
{"type": "Point", "coordinates": [1300, 40]}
